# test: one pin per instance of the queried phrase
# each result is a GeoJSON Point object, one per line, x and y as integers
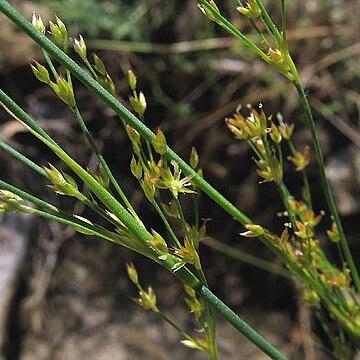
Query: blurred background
{"type": "Point", "coordinates": [68, 296]}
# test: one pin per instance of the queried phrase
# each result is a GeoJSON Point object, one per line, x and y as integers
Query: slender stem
{"type": "Point", "coordinates": [119, 108]}
{"type": "Point", "coordinates": [166, 223]}
{"type": "Point", "coordinates": [241, 325]}
{"type": "Point", "coordinates": [103, 162]}
{"type": "Point", "coordinates": [255, 149]}
{"type": "Point", "coordinates": [229, 27]}
{"type": "Point", "coordinates": [273, 29]}
{"type": "Point", "coordinates": [307, 190]}
{"type": "Point", "coordinates": [21, 157]}
{"type": "Point", "coordinates": [326, 186]}
{"type": "Point", "coordinates": [283, 24]}
{"type": "Point", "coordinates": [247, 258]}
{"type": "Point", "coordinates": [79, 225]}
{"type": "Point", "coordinates": [91, 69]}
{"type": "Point", "coordinates": [30, 164]}
{"type": "Point", "coordinates": [168, 320]}
{"type": "Point", "coordinates": [128, 117]}
{"type": "Point", "coordinates": [252, 22]}
{"type": "Point", "coordinates": [285, 194]}
{"type": "Point", "coordinates": [307, 195]}
{"type": "Point", "coordinates": [58, 215]}
{"type": "Point", "coordinates": [181, 217]}
{"type": "Point", "coordinates": [50, 64]}
{"type": "Point", "coordinates": [135, 227]}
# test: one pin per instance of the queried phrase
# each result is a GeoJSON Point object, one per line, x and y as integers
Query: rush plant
{"type": "Point", "coordinates": [163, 175]}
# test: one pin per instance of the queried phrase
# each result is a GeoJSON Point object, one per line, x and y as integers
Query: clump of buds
{"type": "Point", "coordinates": [304, 213]}
{"type": "Point", "coordinates": [249, 127]}
{"type": "Point", "coordinates": [194, 304]}
{"type": "Point", "coordinates": [270, 169]}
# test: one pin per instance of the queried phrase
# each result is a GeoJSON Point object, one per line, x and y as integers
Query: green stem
{"type": "Point", "coordinates": [252, 22]}
{"type": "Point", "coordinates": [59, 215]}
{"type": "Point", "coordinates": [102, 161]}
{"type": "Point", "coordinates": [50, 64]}
{"type": "Point", "coordinates": [119, 108]}
{"type": "Point", "coordinates": [181, 217]}
{"type": "Point", "coordinates": [283, 24]}
{"type": "Point", "coordinates": [285, 194]}
{"type": "Point", "coordinates": [241, 325]}
{"type": "Point", "coordinates": [91, 69]}
{"type": "Point", "coordinates": [170, 322]}
{"type": "Point", "coordinates": [30, 164]}
{"type": "Point", "coordinates": [21, 157]}
{"type": "Point", "coordinates": [307, 197]}
{"type": "Point", "coordinates": [307, 190]}
{"type": "Point", "coordinates": [270, 24]}
{"type": "Point", "coordinates": [255, 149]}
{"type": "Point", "coordinates": [106, 198]}
{"type": "Point", "coordinates": [326, 186]}
{"type": "Point", "coordinates": [168, 227]}
{"type": "Point", "coordinates": [247, 258]}
{"type": "Point", "coordinates": [230, 28]}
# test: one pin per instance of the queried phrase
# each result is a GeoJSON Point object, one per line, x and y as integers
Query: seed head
{"type": "Point", "coordinates": [132, 273]}
{"type": "Point", "coordinates": [136, 168]}
{"type": "Point", "coordinates": [148, 187]}
{"type": "Point", "coordinates": [275, 134]}
{"type": "Point", "coordinates": [253, 230]}
{"type": "Point", "coordinates": [304, 231]}
{"type": "Point", "coordinates": [132, 80]}
{"type": "Point", "coordinates": [159, 143]}
{"type": "Point", "coordinates": [301, 160]}
{"type": "Point", "coordinates": [63, 183]}
{"type": "Point", "coordinates": [38, 23]}
{"type": "Point", "coordinates": [252, 9]}
{"type": "Point", "coordinates": [107, 83]}
{"type": "Point", "coordinates": [99, 65]}
{"type": "Point", "coordinates": [208, 12]}
{"type": "Point", "coordinates": [64, 91]}
{"type": "Point", "coordinates": [80, 48]}
{"type": "Point", "coordinates": [194, 158]}
{"type": "Point", "coordinates": [138, 103]}
{"type": "Point", "coordinates": [148, 300]}
{"type": "Point", "coordinates": [333, 234]}
{"type": "Point", "coordinates": [40, 72]}
{"type": "Point", "coordinates": [158, 243]}
{"type": "Point", "coordinates": [59, 33]}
